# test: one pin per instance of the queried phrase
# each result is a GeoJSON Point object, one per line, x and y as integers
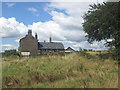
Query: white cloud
{"type": "Point", "coordinates": [17, 40]}
{"type": "Point", "coordinates": [85, 44]}
{"type": "Point", "coordinates": [11, 28]}
{"type": "Point", "coordinates": [33, 10]}
{"type": "Point", "coordinates": [71, 24]}
{"type": "Point", "coordinates": [96, 45]}
{"type": "Point", "coordinates": [46, 29]}
{"type": "Point", "coordinates": [10, 4]}
{"type": "Point", "coordinates": [74, 8]}
{"type": "Point", "coordinates": [7, 47]}
{"type": "Point", "coordinates": [66, 22]}
{"type": "Point", "coordinates": [64, 27]}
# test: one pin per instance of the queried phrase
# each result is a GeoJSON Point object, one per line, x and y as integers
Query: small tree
{"type": "Point", "coordinates": [101, 23]}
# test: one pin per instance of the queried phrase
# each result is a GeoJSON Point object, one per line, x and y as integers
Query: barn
{"type": "Point", "coordinates": [29, 46]}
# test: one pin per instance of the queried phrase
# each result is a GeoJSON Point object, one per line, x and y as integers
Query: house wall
{"type": "Point", "coordinates": [69, 50]}
{"type": "Point", "coordinates": [50, 51]}
{"type": "Point", "coordinates": [29, 44]}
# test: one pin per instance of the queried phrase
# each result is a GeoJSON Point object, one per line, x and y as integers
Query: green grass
{"type": "Point", "coordinates": [69, 71]}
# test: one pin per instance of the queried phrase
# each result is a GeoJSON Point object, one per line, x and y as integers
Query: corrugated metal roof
{"type": "Point", "coordinates": [50, 45]}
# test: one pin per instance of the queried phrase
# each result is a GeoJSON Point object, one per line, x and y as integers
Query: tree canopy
{"type": "Point", "coordinates": [101, 23]}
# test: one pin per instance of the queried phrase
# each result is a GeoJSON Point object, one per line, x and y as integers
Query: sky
{"type": "Point", "coordinates": [60, 20]}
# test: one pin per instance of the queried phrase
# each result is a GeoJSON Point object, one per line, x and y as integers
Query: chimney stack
{"type": "Point", "coordinates": [36, 35]}
{"type": "Point", "coordinates": [50, 39]}
{"type": "Point", "coordinates": [29, 32]}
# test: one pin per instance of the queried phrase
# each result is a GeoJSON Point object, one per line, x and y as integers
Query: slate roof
{"type": "Point", "coordinates": [50, 45]}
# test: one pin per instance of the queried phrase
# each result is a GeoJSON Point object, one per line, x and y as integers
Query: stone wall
{"type": "Point", "coordinates": [29, 44]}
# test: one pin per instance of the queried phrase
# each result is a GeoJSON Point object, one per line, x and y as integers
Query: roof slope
{"type": "Point", "coordinates": [50, 45]}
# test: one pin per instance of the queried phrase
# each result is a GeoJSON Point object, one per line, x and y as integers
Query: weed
{"type": "Point", "coordinates": [73, 70]}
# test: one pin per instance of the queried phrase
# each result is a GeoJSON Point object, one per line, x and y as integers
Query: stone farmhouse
{"type": "Point", "coordinates": [29, 46]}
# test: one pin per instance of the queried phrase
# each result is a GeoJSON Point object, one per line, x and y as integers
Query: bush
{"type": "Point", "coordinates": [10, 53]}
{"type": "Point", "coordinates": [85, 54]}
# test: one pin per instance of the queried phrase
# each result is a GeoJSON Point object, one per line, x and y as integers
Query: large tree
{"type": "Point", "coordinates": [101, 23]}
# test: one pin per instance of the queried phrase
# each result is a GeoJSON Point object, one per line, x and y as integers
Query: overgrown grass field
{"type": "Point", "coordinates": [68, 71]}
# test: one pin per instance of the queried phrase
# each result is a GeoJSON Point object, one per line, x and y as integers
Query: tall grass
{"type": "Point", "coordinates": [69, 71]}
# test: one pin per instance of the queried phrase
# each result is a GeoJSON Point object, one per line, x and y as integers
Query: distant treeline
{"type": "Point", "coordinates": [15, 52]}
{"type": "Point", "coordinates": [82, 52]}
{"type": "Point", "coordinates": [7, 53]}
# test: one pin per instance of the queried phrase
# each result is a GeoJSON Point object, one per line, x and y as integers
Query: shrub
{"type": "Point", "coordinates": [85, 54]}
{"type": "Point", "coordinates": [10, 53]}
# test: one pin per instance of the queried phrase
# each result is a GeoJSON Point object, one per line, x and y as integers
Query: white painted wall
{"type": "Point", "coordinates": [25, 53]}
